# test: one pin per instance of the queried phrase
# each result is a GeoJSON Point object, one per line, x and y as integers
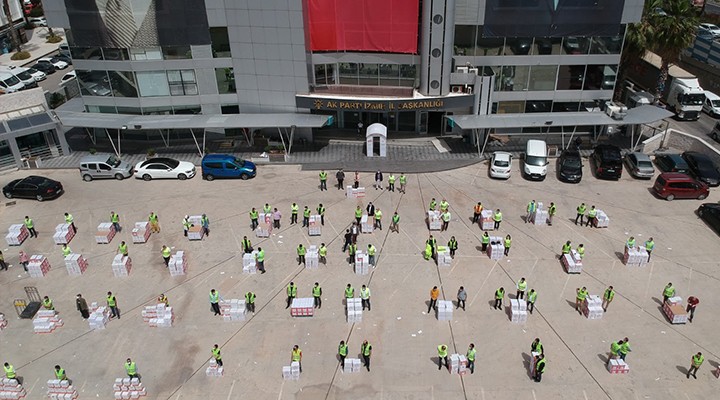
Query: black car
{"type": "Point", "coordinates": [44, 67]}
{"type": "Point", "coordinates": [672, 163]}
{"type": "Point", "coordinates": [607, 161]}
{"type": "Point", "coordinates": [710, 213]}
{"type": "Point", "coordinates": [702, 167]}
{"type": "Point", "coordinates": [570, 166]}
{"type": "Point", "coordinates": [521, 46]}
{"type": "Point", "coordinates": [33, 187]}
{"type": "Point", "coordinates": [61, 57]}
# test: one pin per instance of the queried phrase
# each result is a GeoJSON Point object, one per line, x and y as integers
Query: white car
{"type": "Point", "coordinates": [58, 64]}
{"type": "Point", "coordinates": [38, 21]}
{"type": "Point", "coordinates": [710, 28]}
{"type": "Point", "coordinates": [500, 165]}
{"type": "Point", "coordinates": [164, 168]}
{"type": "Point", "coordinates": [38, 75]}
{"type": "Point", "coordinates": [69, 76]}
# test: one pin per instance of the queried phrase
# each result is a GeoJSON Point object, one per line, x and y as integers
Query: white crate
{"type": "Point", "coordinates": [354, 309]}
{"type": "Point", "coordinates": [214, 369]}
{"type": "Point", "coordinates": [141, 232]}
{"type": "Point", "coordinates": [443, 258]}
{"type": "Point", "coordinates": [232, 310]}
{"type": "Point", "coordinates": [312, 258]}
{"type": "Point", "coordinates": [434, 220]}
{"type": "Point", "coordinates": [302, 307]}
{"type": "Point", "coordinates": [367, 224]}
{"type": "Point", "coordinates": [362, 263]}
{"type": "Point", "coordinates": [63, 234]}
{"type": "Point", "coordinates": [99, 317]}
{"type": "Point", "coordinates": [444, 310]}
{"type": "Point", "coordinates": [121, 265]}
{"type": "Point", "coordinates": [540, 217]}
{"type": "Point", "coordinates": [17, 233]}
{"type": "Point", "coordinates": [315, 227]}
{"type": "Point", "coordinates": [178, 264]}
{"type": "Point", "coordinates": [486, 220]}
{"type": "Point", "coordinates": [351, 365]}
{"type": "Point", "coordinates": [570, 265]}
{"type": "Point", "coordinates": [603, 221]}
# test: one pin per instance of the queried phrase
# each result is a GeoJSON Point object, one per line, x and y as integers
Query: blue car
{"type": "Point", "coordinates": [227, 166]}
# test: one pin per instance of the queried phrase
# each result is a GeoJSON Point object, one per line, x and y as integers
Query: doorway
{"type": "Point", "coordinates": [435, 122]}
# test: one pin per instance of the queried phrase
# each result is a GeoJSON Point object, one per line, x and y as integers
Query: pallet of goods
{"type": "Point", "coordinates": [495, 249]}
{"type": "Point", "coordinates": [353, 193]}
{"type": "Point", "coordinates": [249, 263]}
{"type": "Point", "coordinates": [635, 257]}
{"type": "Point", "coordinates": [617, 366]}
{"type": "Point", "coordinates": [367, 224]}
{"type": "Point", "coordinates": [11, 389]}
{"type": "Point", "coordinates": [434, 221]}
{"type": "Point", "coordinates": [592, 307]}
{"type": "Point", "coordinates": [312, 258]}
{"type": "Point", "coordinates": [353, 308]}
{"type": "Point", "coordinates": [127, 388]}
{"type": "Point", "coordinates": [486, 220]}
{"type": "Point", "coordinates": [291, 372]}
{"type": "Point", "coordinates": [315, 227]}
{"type": "Point", "coordinates": [121, 265]}
{"type": "Point", "coordinates": [362, 263]}
{"type": "Point", "coordinates": [158, 315]}
{"type": "Point", "coordinates": [99, 316]}
{"type": "Point", "coordinates": [214, 369]}
{"type": "Point", "coordinates": [232, 310]}
{"type": "Point", "coordinates": [444, 310]}
{"type": "Point", "coordinates": [46, 321]}
{"type": "Point", "coordinates": [518, 311]}
{"type": "Point", "coordinates": [39, 266]}
{"type": "Point", "coordinates": [302, 307]}
{"type": "Point", "coordinates": [61, 390]}
{"type": "Point", "coordinates": [105, 233]}
{"type": "Point", "coordinates": [540, 216]}
{"type": "Point", "coordinates": [3, 321]}
{"type": "Point", "coordinates": [571, 265]}
{"type": "Point", "coordinates": [264, 227]}
{"type": "Point", "coordinates": [674, 310]}
{"type": "Point", "coordinates": [178, 264]}
{"type": "Point", "coordinates": [603, 221]}
{"type": "Point", "coordinates": [17, 233]}
{"type": "Point", "coordinates": [141, 232]}
{"type": "Point", "coordinates": [75, 264]}
{"type": "Point", "coordinates": [351, 365]}
{"type": "Point", "coordinates": [458, 364]}
{"type": "Point", "coordinates": [63, 234]}
{"type": "Point", "coordinates": [443, 256]}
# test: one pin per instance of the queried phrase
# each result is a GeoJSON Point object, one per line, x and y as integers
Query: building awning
{"type": "Point", "coordinates": [152, 122]}
{"type": "Point", "coordinates": [638, 115]}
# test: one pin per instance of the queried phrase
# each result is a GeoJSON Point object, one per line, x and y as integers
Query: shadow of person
{"type": "Point", "coordinates": [682, 369]}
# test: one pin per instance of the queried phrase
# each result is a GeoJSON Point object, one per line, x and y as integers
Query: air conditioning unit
{"type": "Point", "coordinates": [473, 71]}
{"type": "Point", "coordinates": [463, 70]}
{"type": "Point", "coordinates": [468, 89]}
{"type": "Point", "coordinates": [456, 88]}
{"type": "Point", "coordinates": [615, 110]}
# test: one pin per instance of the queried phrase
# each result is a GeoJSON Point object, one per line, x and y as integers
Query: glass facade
{"type": "Point", "coordinates": [365, 74]}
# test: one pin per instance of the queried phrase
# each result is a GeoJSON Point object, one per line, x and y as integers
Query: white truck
{"type": "Point", "coordinates": [682, 94]}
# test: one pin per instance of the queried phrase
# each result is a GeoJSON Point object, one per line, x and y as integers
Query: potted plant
{"type": "Point", "coordinates": [150, 153]}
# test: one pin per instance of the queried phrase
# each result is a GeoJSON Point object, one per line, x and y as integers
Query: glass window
{"type": "Point", "coordinates": [575, 45]}
{"type": "Point", "coordinates": [153, 83]}
{"type": "Point", "coordinates": [406, 121]}
{"type": "Point", "coordinates": [368, 74]}
{"type": "Point", "coordinates": [123, 84]}
{"type": "Point", "coordinates": [331, 72]}
{"type": "Point", "coordinates": [157, 111]}
{"type": "Point", "coordinates": [320, 74]}
{"type": "Point", "coordinates": [465, 40]}
{"type": "Point", "coordinates": [182, 82]}
{"type": "Point", "coordinates": [565, 106]}
{"type": "Point", "coordinates": [348, 74]}
{"type": "Point", "coordinates": [187, 110]}
{"type": "Point", "coordinates": [518, 46]}
{"type": "Point", "coordinates": [606, 45]}
{"type": "Point", "coordinates": [547, 46]}
{"type": "Point", "coordinates": [570, 77]}
{"type": "Point", "coordinates": [230, 109]}
{"type": "Point", "coordinates": [407, 75]}
{"type": "Point", "coordinates": [536, 106]}
{"type": "Point", "coordinates": [489, 46]}
{"type": "Point", "coordinates": [542, 77]}
{"type": "Point", "coordinates": [600, 77]}
{"type": "Point", "coordinates": [510, 107]}
{"type": "Point", "coordinates": [220, 42]}
{"type": "Point", "coordinates": [151, 53]}
{"type": "Point", "coordinates": [176, 52]}
{"type": "Point", "coordinates": [94, 83]}
{"type": "Point", "coordinates": [86, 53]}
{"type": "Point", "coordinates": [225, 78]}
{"type": "Point", "coordinates": [389, 75]}
{"type": "Point", "coordinates": [129, 110]}
{"type": "Point", "coordinates": [514, 78]}
{"type": "Point", "coordinates": [115, 54]}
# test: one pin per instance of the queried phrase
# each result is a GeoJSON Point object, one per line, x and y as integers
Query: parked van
{"type": "Point", "coordinates": [226, 166]}
{"type": "Point", "coordinates": [21, 73]}
{"type": "Point", "coordinates": [104, 166]}
{"type": "Point", "coordinates": [10, 83]}
{"type": "Point", "coordinates": [712, 104]}
{"type": "Point", "coordinates": [536, 160]}
{"type": "Point", "coordinates": [673, 185]}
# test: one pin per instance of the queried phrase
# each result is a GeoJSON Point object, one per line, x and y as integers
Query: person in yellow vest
{"type": "Point", "coordinates": [668, 292]}
{"type": "Point", "coordinates": [499, 296]}
{"type": "Point", "coordinates": [521, 287]}
{"type": "Point", "coordinates": [112, 304]}
{"type": "Point", "coordinates": [428, 251]}
{"type": "Point", "coordinates": [371, 255]}
{"type": "Point", "coordinates": [532, 297]}
{"type": "Point", "coordinates": [630, 244]}
{"type": "Point", "coordinates": [247, 245]}
{"type": "Point", "coordinates": [296, 356]}
{"type": "Point", "coordinates": [254, 215]}
{"type": "Point", "coordinates": [539, 368]}
{"type": "Point", "coordinates": [267, 209]}
{"type": "Point", "coordinates": [580, 213]}
{"type": "Point", "coordinates": [321, 212]}
{"type": "Point", "coordinates": [30, 225]}
{"type": "Point", "coordinates": [323, 180]}
{"type": "Point", "coordinates": [591, 217]}
{"type": "Point", "coordinates": [166, 255]}
{"type": "Point", "coordinates": [649, 246]}
{"type": "Point", "coordinates": [365, 297]}
{"type": "Point", "coordinates": [291, 294]}
{"type": "Point", "coordinates": [485, 241]}
{"type": "Point", "coordinates": [378, 219]}
{"type": "Point", "coordinates": [453, 246]}
{"type": "Point", "coordinates": [9, 371]}
{"type": "Point", "coordinates": [433, 244]}
{"type": "Point", "coordinates": [697, 361]}
{"type": "Point", "coordinates": [507, 243]}
{"type": "Point", "coordinates": [131, 369]}
{"type": "Point", "coordinates": [497, 219]}
{"type": "Point", "coordinates": [442, 356]}
{"type": "Point", "coordinates": [366, 351]}
{"type": "Point", "coordinates": [349, 291]}
{"type": "Point", "coordinates": [115, 220]}
{"type": "Point", "coordinates": [625, 348]}
{"type": "Point", "coordinates": [552, 210]}
{"type": "Point", "coordinates": [531, 208]}
{"type": "Point", "coordinates": [352, 250]}
{"type": "Point", "coordinates": [250, 302]}
{"type": "Point", "coordinates": [162, 299]}
{"type": "Point", "coordinates": [582, 294]}
{"type": "Point", "coordinates": [216, 355]}
{"type": "Point", "coordinates": [317, 295]}
{"type": "Point", "coordinates": [444, 205]}
{"type": "Point", "coordinates": [358, 214]}
{"type": "Point", "coordinates": [608, 298]}
{"type": "Point", "coordinates": [342, 352]}
{"type": "Point", "coordinates": [322, 253]}
{"type": "Point", "coordinates": [470, 355]}
{"type": "Point", "coordinates": [445, 217]}
{"type": "Point", "coordinates": [154, 224]}
{"type": "Point", "coordinates": [395, 223]}
{"type": "Point", "coordinates": [215, 299]}
{"type": "Point", "coordinates": [47, 303]}
{"type": "Point", "coordinates": [66, 251]}
{"type": "Point", "coordinates": [70, 221]}
{"type": "Point", "coordinates": [301, 254]}
{"type": "Point", "coordinates": [391, 182]}
{"type": "Point", "coordinates": [60, 373]}
{"type": "Point", "coordinates": [433, 204]}
{"type": "Point", "coordinates": [477, 212]}
{"type": "Point", "coordinates": [294, 208]}
{"type": "Point", "coordinates": [581, 251]}
{"type": "Point", "coordinates": [260, 260]}
{"type": "Point", "coordinates": [566, 248]}
{"type": "Point", "coordinates": [306, 216]}
{"type": "Point", "coordinates": [403, 182]}
{"type": "Point", "coordinates": [122, 249]}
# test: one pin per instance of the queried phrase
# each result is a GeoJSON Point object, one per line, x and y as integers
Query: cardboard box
{"type": "Point", "coordinates": [141, 232]}
{"type": "Point", "coordinates": [38, 266]}
{"type": "Point", "coordinates": [444, 310]}
{"type": "Point", "coordinates": [121, 265]}
{"type": "Point", "coordinates": [302, 307]}
{"type": "Point", "coordinates": [63, 234]}
{"type": "Point", "coordinates": [434, 221]}
{"type": "Point", "coordinates": [105, 233]}
{"type": "Point", "coordinates": [315, 227]}
{"type": "Point", "coordinates": [17, 233]}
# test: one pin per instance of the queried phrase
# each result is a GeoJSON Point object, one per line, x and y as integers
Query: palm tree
{"type": "Point", "coordinates": [11, 23]}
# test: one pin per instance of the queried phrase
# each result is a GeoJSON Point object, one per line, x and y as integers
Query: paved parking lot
{"type": "Point", "coordinates": [404, 338]}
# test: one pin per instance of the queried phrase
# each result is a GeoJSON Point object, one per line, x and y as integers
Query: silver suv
{"type": "Point", "coordinates": [104, 167]}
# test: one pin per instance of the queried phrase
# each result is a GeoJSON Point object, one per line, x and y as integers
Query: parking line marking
{"type": "Point", "coordinates": [483, 284]}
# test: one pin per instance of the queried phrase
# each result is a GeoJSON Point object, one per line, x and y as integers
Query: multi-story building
{"type": "Point", "coordinates": [404, 63]}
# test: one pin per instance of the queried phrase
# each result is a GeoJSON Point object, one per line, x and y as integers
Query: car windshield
{"type": "Point", "coordinates": [24, 75]}
{"type": "Point", "coordinates": [644, 164]}
{"type": "Point", "coordinates": [11, 81]}
{"type": "Point", "coordinates": [610, 155]}
{"type": "Point", "coordinates": [715, 103]}
{"type": "Point", "coordinates": [114, 161]}
{"type": "Point", "coordinates": [170, 162]}
{"type": "Point", "coordinates": [535, 161]}
{"type": "Point", "coordinates": [572, 163]}
{"type": "Point", "coordinates": [691, 99]}
{"type": "Point", "coordinates": [240, 162]}
{"type": "Point", "coordinates": [502, 163]}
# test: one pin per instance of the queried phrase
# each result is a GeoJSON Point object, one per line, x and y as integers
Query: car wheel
{"type": "Point", "coordinates": [670, 197]}
{"type": "Point", "coordinates": [119, 177]}
{"type": "Point", "coordinates": [182, 177]}
{"type": "Point", "coordinates": [8, 195]}
{"type": "Point", "coordinates": [702, 196]}
{"type": "Point", "coordinates": [244, 177]}
{"type": "Point", "coordinates": [209, 177]}
{"type": "Point", "coordinates": [39, 198]}
{"type": "Point", "coordinates": [87, 178]}
{"type": "Point", "coordinates": [147, 177]}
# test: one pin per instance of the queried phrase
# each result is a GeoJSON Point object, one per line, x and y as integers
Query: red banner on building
{"type": "Point", "coordinates": [366, 25]}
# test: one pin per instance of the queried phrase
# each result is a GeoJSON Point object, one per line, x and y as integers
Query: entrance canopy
{"type": "Point", "coordinates": [376, 130]}
{"type": "Point", "coordinates": [638, 115]}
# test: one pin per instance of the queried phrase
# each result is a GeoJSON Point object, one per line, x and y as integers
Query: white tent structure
{"type": "Point", "coordinates": [378, 131]}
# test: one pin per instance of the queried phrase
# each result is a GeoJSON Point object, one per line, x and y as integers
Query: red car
{"type": "Point", "coordinates": [28, 8]}
{"type": "Point", "coordinates": [673, 185]}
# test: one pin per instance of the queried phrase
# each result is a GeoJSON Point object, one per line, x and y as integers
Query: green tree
{"type": "Point", "coordinates": [11, 23]}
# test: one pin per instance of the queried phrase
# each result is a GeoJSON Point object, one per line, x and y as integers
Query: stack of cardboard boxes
{"type": "Point", "coordinates": [63, 234]}
{"type": "Point", "coordinates": [46, 321]}
{"type": "Point", "coordinates": [486, 220]}
{"type": "Point", "coordinates": [443, 256]}
{"type": "Point", "coordinates": [495, 249]}
{"type": "Point", "coordinates": [367, 224]}
{"type": "Point", "coordinates": [302, 307]}
{"type": "Point", "coordinates": [105, 233]}
{"type": "Point", "coordinates": [434, 220]}
{"type": "Point", "coordinates": [158, 315]}
{"type": "Point", "coordinates": [11, 389]}
{"type": "Point", "coordinates": [312, 258]}
{"type": "Point", "coordinates": [17, 233]}
{"type": "Point", "coordinates": [602, 219]}
{"type": "Point", "coordinates": [214, 369]}
{"type": "Point", "coordinates": [196, 232]}
{"type": "Point", "coordinates": [232, 310]}
{"type": "Point", "coordinates": [141, 232]}
{"type": "Point", "coordinates": [126, 388]}
{"type": "Point", "coordinates": [617, 366]}
{"type": "Point", "coordinates": [315, 228]}
{"type": "Point", "coordinates": [540, 216]}
{"type": "Point", "coordinates": [635, 257]}
{"type": "Point", "coordinates": [352, 365]}
{"type": "Point", "coordinates": [353, 193]}
{"type": "Point", "coordinates": [121, 265]}
{"type": "Point", "coordinates": [362, 263]}
{"type": "Point", "coordinates": [458, 364]}
{"type": "Point", "coordinates": [39, 266]}
{"type": "Point", "coordinates": [75, 264]}
{"type": "Point", "coordinates": [249, 263]}
{"type": "Point", "coordinates": [353, 307]}
{"type": "Point", "coordinates": [264, 227]}
{"type": "Point", "coordinates": [99, 316]}
{"type": "Point", "coordinates": [178, 264]}
{"type": "Point", "coordinates": [674, 310]}
{"type": "Point", "coordinates": [518, 311]}
{"type": "Point", "coordinates": [592, 307]}
{"type": "Point", "coordinates": [444, 310]}
{"type": "Point", "coordinates": [61, 390]}
{"type": "Point", "coordinates": [572, 262]}
{"type": "Point", "coordinates": [3, 321]}
{"type": "Point", "coordinates": [291, 372]}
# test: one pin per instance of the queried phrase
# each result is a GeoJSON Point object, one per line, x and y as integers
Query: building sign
{"type": "Point", "coordinates": [424, 104]}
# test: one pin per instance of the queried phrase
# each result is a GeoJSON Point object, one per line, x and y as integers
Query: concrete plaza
{"type": "Point", "coordinates": [404, 338]}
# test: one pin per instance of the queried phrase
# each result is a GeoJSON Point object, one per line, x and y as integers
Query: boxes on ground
{"type": "Point", "coordinates": [158, 315]}
{"type": "Point", "coordinates": [264, 227]}
{"type": "Point", "coordinates": [434, 221]}
{"type": "Point", "coordinates": [232, 310]}
{"type": "Point", "coordinates": [249, 263]}
{"type": "Point", "coordinates": [141, 232]}
{"type": "Point", "coordinates": [495, 249]}
{"type": "Point", "coordinates": [99, 316]}
{"type": "Point", "coordinates": [635, 257]}
{"type": "Point", "coordinates": [46, 321]}
{"type": "Point", "coordinates": [518, 311]}
{"type": "Point", "coordinates": [17, 233]}
{"type": "Point", "coordinates": [486, 220]}
{"type": "Point", "coordinates": [674, 310]}
{"type": "Point", "coordinates": [362, 263]}
{"type": "Point", "coordinates": [178, 264]}
{"type": "Point", "coordinates": [3, 321]}
{"type": "Point", "coordinates": [11, 389]}
{"type": "Point", "coordinates": [367, 224]}
{"type": "Point", "coordinates": [458, 364]}
{"type": "Point", "coordinates": [312, 258]}
{"type": "Point", "coordinates": [75, 264]}
{"type": "Point", "coordinates": [540, 216]}
{"type": "Point", "coordinates": [105, 233]}
{"type": "Point", "coordinates": [351, 365]}
{"type": "Point", "coordinates": [315, 228]}
{"type": "Point", "coordinates": [292, 371]}
{"type": "Point", "coordinates": [592, 307]}
{"type": "Point", "coordinates": [602, 219]}
{"type": "Point", "coordinates": [214, 369]}
{"type": "Point", "coordinates": [126, 388]}
{"type": "Point", "coordinates": [444, 310]}
{"type": "Point", "coordinates": [351, 192]}
{"type": "Point", "coordinates": [302, 307]}
{"type": "Point", "coordinates": [443, 256]}
{"type": "Point", "coordinates": [63, 234]}
{"type": "Point", "coordinates": [570, 264]}
{"type": "Point", "coordinates": [38, 266]}
{"type": "Point", "coordinates": [60, 390]}
{"type": "Point", "coordinates": [353, 308]}
{"type": "Point", "coordinates": [121, 265]}
{"type": "Point", "coordinates": [617, 366]}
